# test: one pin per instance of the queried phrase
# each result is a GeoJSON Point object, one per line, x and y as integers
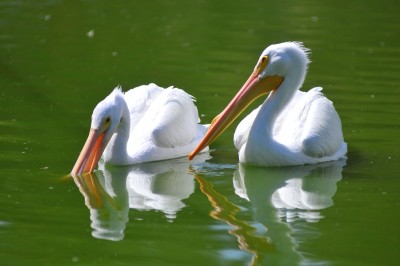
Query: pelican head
{"type": "Point", "coordinates": [106, 117]}
{"type": "Point", "coordinates": [278, 64]}
{"type": "Point", "coordinates": [283, 59]}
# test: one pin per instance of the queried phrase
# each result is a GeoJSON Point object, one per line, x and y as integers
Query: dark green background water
{"type": "Point", "coordinates": [59, 58]}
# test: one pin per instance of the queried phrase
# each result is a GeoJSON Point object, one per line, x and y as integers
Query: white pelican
{"type": "Point", "coordinates": [291, 127]}
{"type": "Point", "coordinates": [147, 123]}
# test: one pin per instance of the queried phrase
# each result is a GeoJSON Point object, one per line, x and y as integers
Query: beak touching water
{"type": "Point", "coordinates": [253, 88]}
{"type": "Point", "coordinates": [90, 154]}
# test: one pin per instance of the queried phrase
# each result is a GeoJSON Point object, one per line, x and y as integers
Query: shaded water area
{"type": "Point", "coordinates": [59, 58]}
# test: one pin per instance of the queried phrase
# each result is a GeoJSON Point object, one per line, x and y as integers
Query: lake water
{"type": "Point", "coordinates": [59, 58]}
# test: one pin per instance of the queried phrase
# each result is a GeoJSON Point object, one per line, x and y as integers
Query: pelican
{"type": "Point", "coordinates": [291, 127]}
{"type": "Point", "coordinates": [147, 123]}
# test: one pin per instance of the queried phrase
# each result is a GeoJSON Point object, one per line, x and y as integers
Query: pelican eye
{"type": "Point", "coordinates": [108, 119]}
{"type": "Point", "coordinates": [262, 65]}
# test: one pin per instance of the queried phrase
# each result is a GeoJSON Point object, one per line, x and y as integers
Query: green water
{"type": "Point", "coordinates": [59, 58]}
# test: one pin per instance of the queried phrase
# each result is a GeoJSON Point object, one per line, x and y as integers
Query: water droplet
{"type": "Point", "coordinates": [90, 34]}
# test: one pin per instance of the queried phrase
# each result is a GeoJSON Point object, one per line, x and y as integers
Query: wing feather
{"type": "Point", "coordinates": [139, 100]}
{"type": "Point", "coordinates": [174, 119]}
{"type": "Point", "coordinates": [322, 129]}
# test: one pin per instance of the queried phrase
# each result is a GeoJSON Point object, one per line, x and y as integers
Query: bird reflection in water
{"type": "Point", "coordinates": [110, 192]}
{"type": "Point", "coordinates": [226, 211]}
{"type": "Point", "coordinates": [286, 201]}
{"type": "Point", "coordinates": [107, 200]}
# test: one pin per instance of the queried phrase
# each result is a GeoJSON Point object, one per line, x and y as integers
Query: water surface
{"type": "Point", "coordinates": [59, 58]}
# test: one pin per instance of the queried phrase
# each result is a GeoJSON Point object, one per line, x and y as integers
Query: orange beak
{"type": "Point", "coordinates": [90, 154]}
{"type": "Point", "coordinates": [254, 87]}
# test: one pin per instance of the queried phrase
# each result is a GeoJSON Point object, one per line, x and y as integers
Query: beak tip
{"type": "Point", "coordinates": [74, 173]}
